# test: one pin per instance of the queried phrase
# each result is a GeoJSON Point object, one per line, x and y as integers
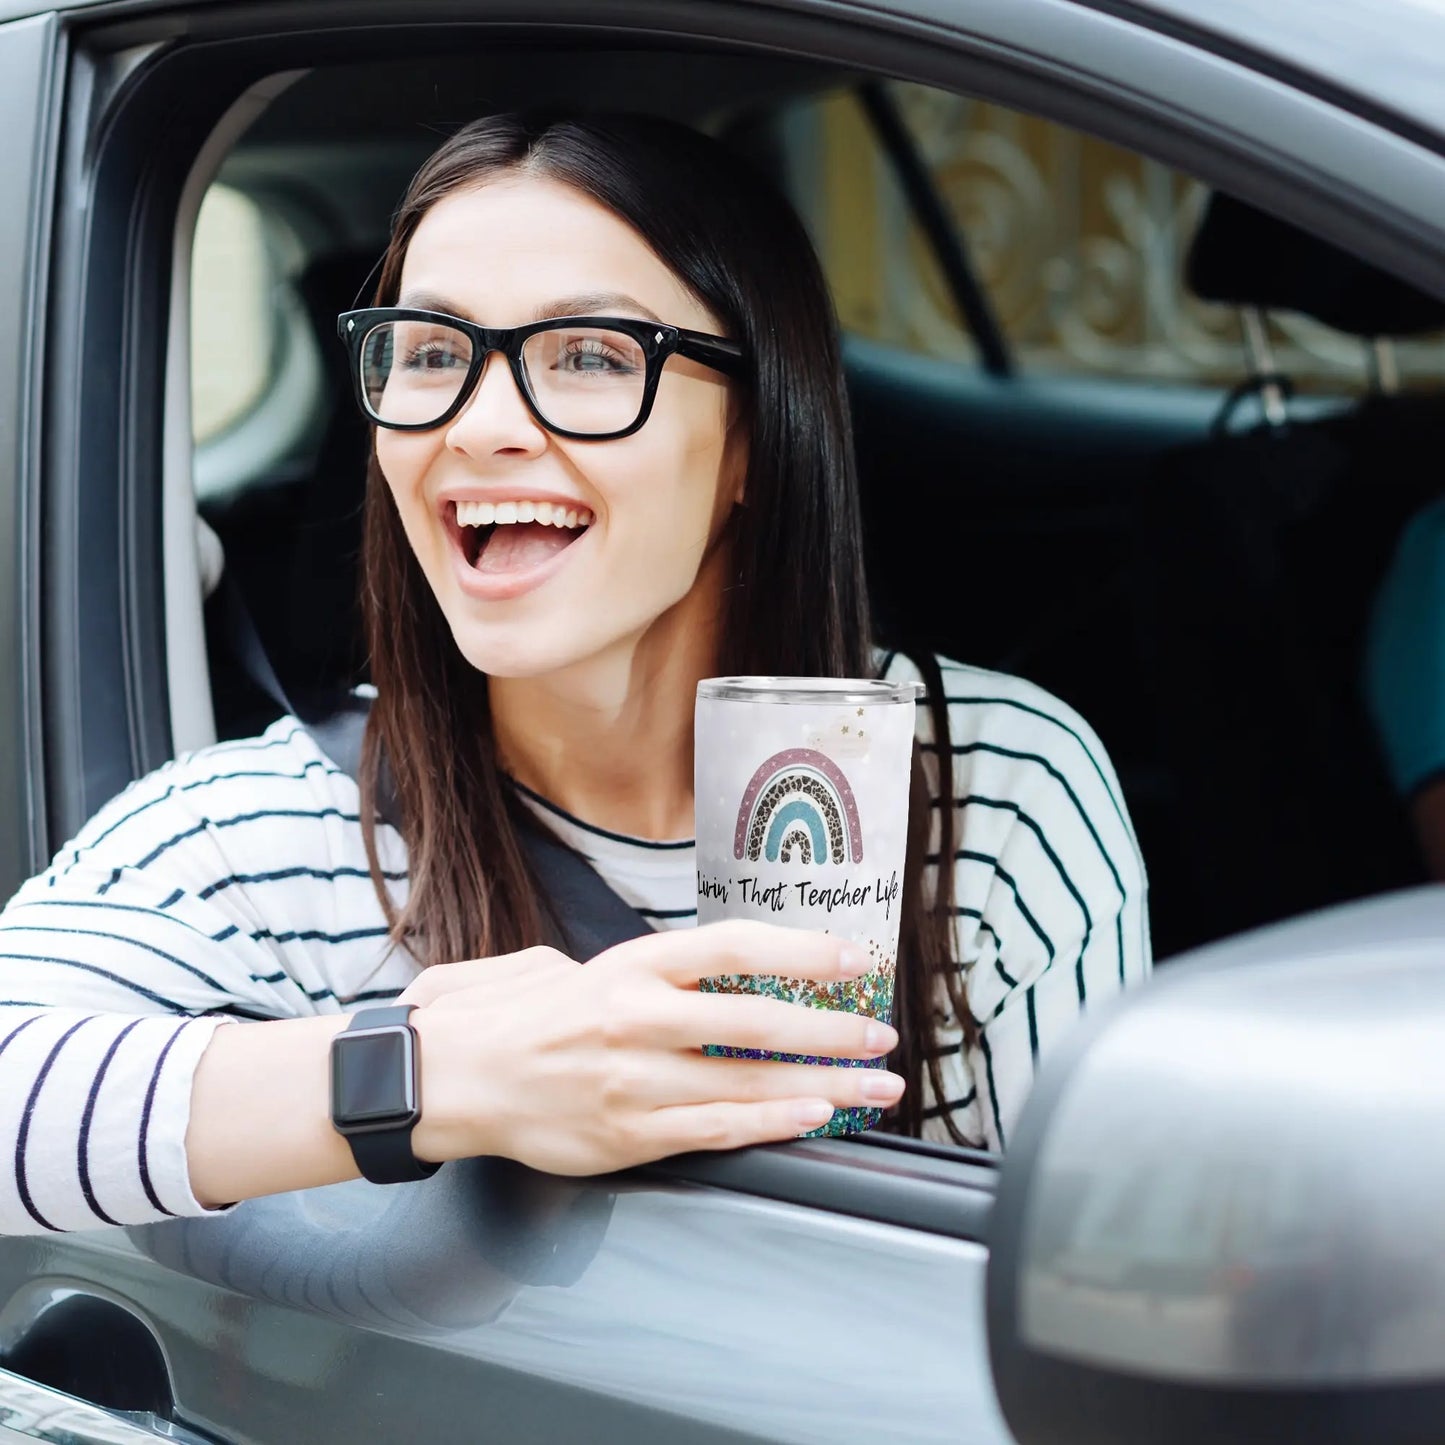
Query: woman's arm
{"type": "Point", "coordinates": [258, 1120]}
{"type": "Point", "coordinates": [570, 1069]}
{"type": "Point", "coordinates": [130, 1119]}
{"type": "Point", "coordinates": [221, 889]}
{"type": "Point", "coordinates": [223, 886]}
{"type": "Point", "coordinates": [1067, 928]}
{"type": "Point", "coordinates": [1049, 889]}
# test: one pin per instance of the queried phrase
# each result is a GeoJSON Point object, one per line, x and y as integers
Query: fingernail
{"type": "Point", "coordinates": [881, 1088]}
{"type": "Point", "coordinates": [853, 962]}
{"type": "Point", "coordinates": [879, 1038]}
{"type": "Point", "coordinates": [813, 1114]}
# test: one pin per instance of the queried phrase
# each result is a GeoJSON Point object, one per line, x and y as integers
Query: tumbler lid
{"type": "Point", "coordinates": [844, 691]}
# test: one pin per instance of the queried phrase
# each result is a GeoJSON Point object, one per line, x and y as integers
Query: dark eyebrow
{"type": "Point", "coordinates": [594, 303]}
{"type": "Point", "coordinates": [430, 301]}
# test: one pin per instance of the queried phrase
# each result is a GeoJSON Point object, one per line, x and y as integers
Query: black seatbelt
{"type": "Point", "coordinates": [590, 917]}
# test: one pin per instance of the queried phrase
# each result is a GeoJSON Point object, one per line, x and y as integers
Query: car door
{"type": "Point", "coordinates": [495, 1304]}
{"type": "Point", "coordinates": [820, 1290]}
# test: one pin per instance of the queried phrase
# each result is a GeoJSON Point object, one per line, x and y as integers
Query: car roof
{"type": "Point", "coordinates": [1385, 57]}
{"type": "Point", "coordinates": [1388, 54]}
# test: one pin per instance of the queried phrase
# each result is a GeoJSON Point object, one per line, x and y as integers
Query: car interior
{"type": "Point", "coordinates": [1183, 549]}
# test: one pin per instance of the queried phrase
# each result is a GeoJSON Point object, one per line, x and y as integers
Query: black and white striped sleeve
{"type": "Point", "coordinates": [1049, 890]}
{"type": "Point", "coordinates": [168, 916]}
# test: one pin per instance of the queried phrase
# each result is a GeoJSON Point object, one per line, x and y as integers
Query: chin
{"type": "Point", "coordinates": [517, 652]}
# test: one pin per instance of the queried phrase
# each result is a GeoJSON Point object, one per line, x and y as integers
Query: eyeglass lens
{"type": "Point", "coordinates": [582, 379]}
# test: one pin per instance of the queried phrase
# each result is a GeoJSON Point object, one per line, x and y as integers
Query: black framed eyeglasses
{"type": "Point", "coordinates": [589, 377]}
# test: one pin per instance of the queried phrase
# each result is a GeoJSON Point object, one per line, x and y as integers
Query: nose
{"type": "Point", "coordinates": [496, 418]}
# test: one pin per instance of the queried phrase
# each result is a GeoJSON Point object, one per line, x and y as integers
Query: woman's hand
{"type": "Point", "coordinates": [584, 1069]}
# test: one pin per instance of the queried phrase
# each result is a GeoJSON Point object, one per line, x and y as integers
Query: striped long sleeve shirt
{"type": "Point", "coordinates": [232, 885]}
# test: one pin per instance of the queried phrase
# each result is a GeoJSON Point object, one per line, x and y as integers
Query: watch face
{"type": "Point", "coordinates": [371, 1078]}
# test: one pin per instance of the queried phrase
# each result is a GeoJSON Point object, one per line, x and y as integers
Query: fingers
{"type": "Point", "coordinates": [770, 1025]}
{"type": "Point", "coordinates": [682, 956]}
{"type": "Point", "coordinates": [729, 1125]}
{"type": "Point", "coordinates": [694, 1079]}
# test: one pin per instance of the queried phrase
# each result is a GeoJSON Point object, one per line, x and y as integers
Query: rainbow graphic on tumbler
{"type": "Point", "coordinates": [799, 803]}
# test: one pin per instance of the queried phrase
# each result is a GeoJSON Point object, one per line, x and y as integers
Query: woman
{"type": "Point", "coordinates": [545, 581]}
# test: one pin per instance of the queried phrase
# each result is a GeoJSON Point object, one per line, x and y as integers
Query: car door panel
{"type": "Point", "coordinates": [491, 1303]}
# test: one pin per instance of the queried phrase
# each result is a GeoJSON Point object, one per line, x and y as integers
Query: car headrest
{"type": "Point", "coordinates": [1243, 257]}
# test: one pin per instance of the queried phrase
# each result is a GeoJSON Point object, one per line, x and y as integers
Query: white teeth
{"type": "Point", "coordinates": [475, 514]}
{"type": "Point", "coordinates": [503, 514]}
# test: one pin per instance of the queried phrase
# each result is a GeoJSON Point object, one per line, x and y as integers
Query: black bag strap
{"type": "Point", "coordinates": [590, 917]}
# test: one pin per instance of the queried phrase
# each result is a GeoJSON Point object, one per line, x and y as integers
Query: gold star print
{"type": "Point", "coordinates": [860, 712]}
{"type": "Point", "coordinates": [845, 727]}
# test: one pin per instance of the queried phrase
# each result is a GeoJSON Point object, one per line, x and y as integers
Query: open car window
{"type": "Point", "coordinates": [1073, 496]}
{"type": "Point", "coordinates": [1080, 245]}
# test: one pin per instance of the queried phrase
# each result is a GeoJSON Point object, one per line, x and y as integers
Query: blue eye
{"type": "Point", "coordinates": [591, 356]}
{"type": "Point", "coordinates": [434, 356]}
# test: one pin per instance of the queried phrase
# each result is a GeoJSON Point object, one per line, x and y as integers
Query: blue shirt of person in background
{"type": "Point", "coordinates": [1405, 676]}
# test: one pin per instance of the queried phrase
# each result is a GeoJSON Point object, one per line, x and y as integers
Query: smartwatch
{"type": "Point", "coordinates": [376, 1093]}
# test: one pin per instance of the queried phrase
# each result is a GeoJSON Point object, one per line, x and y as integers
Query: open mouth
{"type": "Point", "coordinates": [517, 536]}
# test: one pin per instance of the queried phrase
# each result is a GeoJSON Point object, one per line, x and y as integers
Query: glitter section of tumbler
{"type": "Point", "coordinates": [872, 994]}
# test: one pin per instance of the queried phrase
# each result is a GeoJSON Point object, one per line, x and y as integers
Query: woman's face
{"type": "Point", "coordinates": [539, 598]}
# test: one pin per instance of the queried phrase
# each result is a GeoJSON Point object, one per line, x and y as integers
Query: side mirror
{"type": "Point", "coordinates": [1222, 1214]}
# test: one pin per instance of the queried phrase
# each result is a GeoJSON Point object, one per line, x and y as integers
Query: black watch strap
{"type": "Point", "coordinates": [384, 1155]}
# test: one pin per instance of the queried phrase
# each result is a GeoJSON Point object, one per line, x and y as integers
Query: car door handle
{"type": "Point", "coordinates": [31, 1412]}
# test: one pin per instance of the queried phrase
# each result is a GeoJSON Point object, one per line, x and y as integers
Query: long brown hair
{"type": "Point", "coordinates": [801, 606]}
